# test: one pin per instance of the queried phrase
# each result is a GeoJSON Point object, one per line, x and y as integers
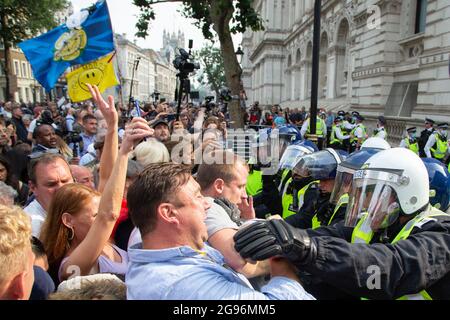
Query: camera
{"type": "Point", "coordinates": [46, 118]}
{"type": "Point", "coordinates": [184, 63]}
{"type": "Point", "coordinates": [209, 104]}
{"type": "Point", "coordinates": [74, 138]}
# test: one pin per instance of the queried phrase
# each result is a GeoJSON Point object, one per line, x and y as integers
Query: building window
{"type": "Point", "coordinates": [16, 68]}
{"type": "Point", "coordinates": [27, 95]}
{"type": "Point", "coordinates": [24, 70]}
{"type": "Point", "coordinates": [421, 16]}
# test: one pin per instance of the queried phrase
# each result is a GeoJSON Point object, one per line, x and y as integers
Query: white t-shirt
{"type": "Point", "coordinates": [37, 215]}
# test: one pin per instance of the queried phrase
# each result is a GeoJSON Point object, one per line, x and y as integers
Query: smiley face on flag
{"type": "Point", "coordinates": [92, 76]}
{"type": "Point", "coordinates": [100, 73]}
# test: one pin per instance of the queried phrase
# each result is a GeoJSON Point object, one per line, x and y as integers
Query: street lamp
{"type": "Point", "coordinates": [131, 99]}
{"type": "Point", "coordinates": [155, 96]}
{"type": "Point", "coordinates": [33, 89]}
{"type": "Point", "coordinates": [239, 54]}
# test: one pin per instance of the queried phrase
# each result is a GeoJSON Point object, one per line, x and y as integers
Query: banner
{"type": "Point", "coordinates": [86, 36]}
{"type": "Point", "coordinates": [100, 73]}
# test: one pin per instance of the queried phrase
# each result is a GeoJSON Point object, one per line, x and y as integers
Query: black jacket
{"type": "Point", "coordinates": [422, 261]}
{"type": "Point", "coordinates": [424, 135]}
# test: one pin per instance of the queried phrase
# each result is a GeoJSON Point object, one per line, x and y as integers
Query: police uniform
{"type": "Point", "coordinates": [424, 135]}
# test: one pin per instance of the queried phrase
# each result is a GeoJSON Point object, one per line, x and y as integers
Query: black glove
{"type": "Point", "coordinates": [265, 239]}
{"type": "Point", "coordinates": [324, 209]}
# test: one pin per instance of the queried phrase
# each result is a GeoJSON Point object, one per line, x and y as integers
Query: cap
{"type": "Point", "coordinates": [429, 120]}
{"type": "Point", "coordinates": [443, 125]}
{"type": "Point", "coordinates": [341, 113]}
{"type": "Point", "coordinates": [359, 117]}
{"type": "Point", "coordinates": [412, 129]}
{"type": "Point", "coordinates": [355, 113]}
{"type": "Point", "coordinates": [382, 120]}
{"type": "Point", "coordinates": [158, 122]}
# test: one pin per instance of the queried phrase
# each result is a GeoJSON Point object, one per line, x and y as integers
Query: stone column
{"type": "Point", "coordinates": [303, 80]}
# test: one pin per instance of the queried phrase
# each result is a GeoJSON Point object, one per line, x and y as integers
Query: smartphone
{"type": "Point", "coordinates": [171, 117]}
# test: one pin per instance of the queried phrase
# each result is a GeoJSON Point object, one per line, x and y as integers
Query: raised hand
{"type": "Point", "coordinates": [246, 208]}
{"type": "Point", "coordinates": [107, 109]}
{"type": "Point", "coordinates": [137, 130]}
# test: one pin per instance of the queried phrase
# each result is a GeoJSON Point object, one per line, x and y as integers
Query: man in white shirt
{"type": "Point", "coordinates": [380, 132]}
{"type": "Point", "coordinates": [437, 145]}
{"type": "Point", "coordinates": [47, 174]}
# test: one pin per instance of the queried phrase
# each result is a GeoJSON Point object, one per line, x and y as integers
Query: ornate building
{"type": "Point", "coordinates": [386, 57]}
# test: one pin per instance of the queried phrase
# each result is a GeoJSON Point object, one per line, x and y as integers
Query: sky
{"type": "Point", "coordinates": [124, 16]}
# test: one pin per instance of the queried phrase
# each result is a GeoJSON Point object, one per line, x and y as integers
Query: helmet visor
{"type": "Point", "coordinates": [375, 199]}
{"type": "Point", "coordinates": [292, 155]}
{"type": "Point", "coordinates": [319, 165]}
{"type": "Point", "coordinates": [343, 183]}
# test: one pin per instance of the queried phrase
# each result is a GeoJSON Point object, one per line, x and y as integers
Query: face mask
{"type": "Point", "coordinates": [443, 133]}
{"type": "Point", "coordinates": [300, 183]}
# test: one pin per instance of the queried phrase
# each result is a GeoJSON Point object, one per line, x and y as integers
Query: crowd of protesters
{"type": "Point", "coordinates": [99, 199]}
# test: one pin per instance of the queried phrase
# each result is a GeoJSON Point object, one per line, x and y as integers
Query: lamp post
{"type": "Point", "coordinates": [315, 70]}
{"type": "Point", "coordinates": [155, 97]}
{"type": "Point", "coordinates": [33, 89]}
{"type": "Point", "coordinates": [131, 99]}
{"type": "Point", "coordinates": [239, 55]}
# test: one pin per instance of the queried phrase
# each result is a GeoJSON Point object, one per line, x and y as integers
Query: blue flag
{"type": "Point", "coordinates": [86, 36]}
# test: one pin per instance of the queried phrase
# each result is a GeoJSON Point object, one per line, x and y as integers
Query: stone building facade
{"type": "Point", "coordinates": [144, 76]}
{"type": "Point", "coordinates": [386, 57]}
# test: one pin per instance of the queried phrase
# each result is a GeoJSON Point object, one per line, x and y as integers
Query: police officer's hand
{"type": "Point", "coordinates": [264, 239]}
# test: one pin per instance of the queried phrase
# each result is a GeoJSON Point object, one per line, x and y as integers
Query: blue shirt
{"type": "Point", "coordinates": [87, 141]}
{"type": "Point", "coordinates": [182, 273]}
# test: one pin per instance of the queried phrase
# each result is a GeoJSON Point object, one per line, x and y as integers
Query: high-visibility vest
{"type": "Point", "coordinates": [343, 200]}
{"type": "Point", "coordinates": [363, 234]}
{"type": "Point", "coordinates": [414, 147]}
{"type": "Point", "coordinates": [254, 182]}
{"type": "Point", "coordinates": [344, 130]}
{"type": "Point", "coordinates": [382, 129]}
{"type": "Point", "coordinates": [287, 199]}
{"type": "Point", "coordinates": [359, 125]}
{"type": "Point", "coordinates": [441, 147]}
{"type": "Point", "coordinates": [319, 127]}
{"type": "Point", "coordinates": [333, 138]}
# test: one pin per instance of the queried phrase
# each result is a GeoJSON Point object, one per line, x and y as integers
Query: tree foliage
{"type": "Point", "coordinates": [23, 19]}
{"type": "Point", "coordinates": [223, 17]}
{"type": "Point", "coordinates": [244, 16]}
{"type": "Point", "coordinates": [213, 72]}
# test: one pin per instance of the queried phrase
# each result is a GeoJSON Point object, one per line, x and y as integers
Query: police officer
{"type": "Point", "coordinates": [272, 178]}
{"type": "Point", "coordinates": [424, 135]}
{"type": "Point", "coordinates": [344, 176]}
{"type": "Point", "coordinates": [380, 131]}
{"type": "Point", "coordinates": [321, 131]}
{"type": "Point", "coordinates": [390, 230]}
{"type": "Point", "coordinates": [337, 138]}
{"type": "Point", "coordinates": [292, 188]}
{"type": "Point", "coordinates": [437, 145]}
{"type": "Point", "coordinates": [358, 134]}
{"type": "Point", "coordinates": [410, 141]}
{"type": "Point", "coordinates": [320, 167]}
{"type": "Point", "coordinates": [439, 179]}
